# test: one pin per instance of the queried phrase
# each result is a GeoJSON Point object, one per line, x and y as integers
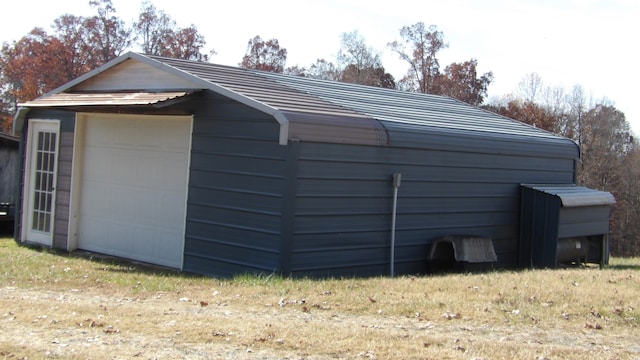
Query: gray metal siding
{"type": "Point", "coordinates": [417, 136]}
{"type": "Point", "coordinates": [63, 190]}
{"type": "Point", "coordinates": [539, 231]}
{"type": "Point", "coordinates": [234, 206]}
{"type": "Point", "coordinates": [580, 221]}
{"type": "Point", "coordinates": [344, 201]}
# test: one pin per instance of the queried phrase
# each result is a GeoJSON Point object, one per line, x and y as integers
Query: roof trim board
{"type": "Point", "coordinates": [109, 99]}
{"type": "Point", "coordinates": [9, 137]}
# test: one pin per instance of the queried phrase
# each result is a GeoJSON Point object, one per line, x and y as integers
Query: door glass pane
{"type": "Point", "coordinates": [43, 181]}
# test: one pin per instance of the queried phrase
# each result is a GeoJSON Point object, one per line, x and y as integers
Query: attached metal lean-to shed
{"type": "Point", "coordinates": [567, 224]}
{"type": "Point", "coordinates": [219, 170]}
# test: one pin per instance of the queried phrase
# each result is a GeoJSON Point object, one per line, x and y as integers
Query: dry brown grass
{"type": "Point", "coordinates": [71, 306]}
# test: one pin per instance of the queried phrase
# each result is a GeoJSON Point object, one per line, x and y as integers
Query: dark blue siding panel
{"type": "Point", "coordinates": [233, 255]}
{"type": "Point", "coordinates": [224, 180]}
{"type": "Point", "coordinates": [236, 185]}
{"type": "Point", "coordinates": [344, 202]}
{"type": "Point", "coordinates": [412, 136]}
{"type": "Point", "coordinates": [245, 237]}
{"type": "Point", "coordinates": [343, 260]}
{"type": "Point", "coordinates": [221, 267]}
{"type": "Point", "coordinates": [238, 218]}
{"type": "Point", "coordinates": [580, 221]}
{"type": "Point", "coordinates": [259, 202]}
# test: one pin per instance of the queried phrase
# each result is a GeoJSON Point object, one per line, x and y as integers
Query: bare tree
{"type": "Point", "coordinates": [419, 47]}
{"type": "Point", "coordinates": [108, 34]}
{"type": "Point", "coordinates": [323, 69]}
{"type": "Point", "coordinates": [605, 137]}
{"type": "Point", "coordinates": [625, 239]}
{"type": "Point", "coordinates": [530, 87]}
{"type": "Point", "coordinates": [264, 55]}
{"type": "Point", "coordinates": [360, 64]}
{"type": "Point", "coordinates": [161, 36]}
{"type": "Point", "coordinates": [153, 27]}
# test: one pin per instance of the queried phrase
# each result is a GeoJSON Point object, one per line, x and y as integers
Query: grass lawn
{"type": "Point", "coordinates": [75, 306]}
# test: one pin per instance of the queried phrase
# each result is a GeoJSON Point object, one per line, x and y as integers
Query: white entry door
{"type": "Point", "coordinates": [39, 199]}
{"type": "Point", "coordinates": [134, 187]}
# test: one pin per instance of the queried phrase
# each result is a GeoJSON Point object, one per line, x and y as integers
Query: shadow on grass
{"type": "Point", "coordinates": [126, 266]}
{"type": "Point", "coordinates": [6, 229]}
{"type": "Point", "coordinates": [116, 264]}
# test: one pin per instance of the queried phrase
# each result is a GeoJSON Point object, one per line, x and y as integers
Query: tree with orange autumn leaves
{"type": "Point", "coordinates": [32, 66]}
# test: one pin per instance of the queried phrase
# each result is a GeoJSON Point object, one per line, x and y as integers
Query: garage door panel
{"type": "Point", "coordinates": [98, 167]}
{"type": "Point", "coordinates": [96, 199]}
{"type": "Point", "coordinates": [123, 168]}
{"type": "Point", "coordinates": [120, 238]}
{"type": "Point", "coordinates": [122, 204]}
{"type": "Point", "coordinates": [134, 187]}
{"type": "Point", "coordinates": [170, 214]}
{"type": "Point", "coordinates": [99, 135]}
{"type": "Point", "coordinates": [167, 246]}
{"type": "Point", "coordinates": [135, 135]}
{"type": "Point", "coordinates": [149, 172]}
{"type": "Point", "coordinates": [145, 247]}
{"type": "Point", "coordinates": [100, 234]}
{"type": "Point", "coordinates": [147, 207]}
{"type": "Point", "coordinates": [169, 140]}
{"type": "Point", "coordinates": [169, 180]}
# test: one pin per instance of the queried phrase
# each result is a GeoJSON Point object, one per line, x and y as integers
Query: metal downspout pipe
{"type": "Point", "coordinates": [397, 177]}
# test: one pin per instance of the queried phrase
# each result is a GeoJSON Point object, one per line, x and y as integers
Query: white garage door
{"type": "Point", "coordinates": [134, 187]}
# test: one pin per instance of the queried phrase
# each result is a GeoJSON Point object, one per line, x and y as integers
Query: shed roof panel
{"type": "Point", "coordinates": [576, 196]}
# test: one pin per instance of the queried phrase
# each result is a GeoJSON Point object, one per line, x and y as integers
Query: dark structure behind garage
{"type": "Point", "coordinates": [9, 180]}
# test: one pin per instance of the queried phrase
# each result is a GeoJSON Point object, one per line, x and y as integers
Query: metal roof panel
{"type": "Point", "coordinates": [329, 105]}
{"type": "Point", "coordinates": [421, 112]}
{"type": "Point", "coordinates": [576, 196]}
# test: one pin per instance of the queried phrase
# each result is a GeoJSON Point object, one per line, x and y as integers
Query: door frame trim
{"type": "Point", "coordinates": [27, 208]}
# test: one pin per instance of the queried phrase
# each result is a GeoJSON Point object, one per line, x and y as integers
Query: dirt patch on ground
{"type": "Point", "coordinates": [90, 324]}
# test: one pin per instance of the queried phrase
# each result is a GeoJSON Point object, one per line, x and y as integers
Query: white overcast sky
{"type": "Point", "coordinates": [593, 43]}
